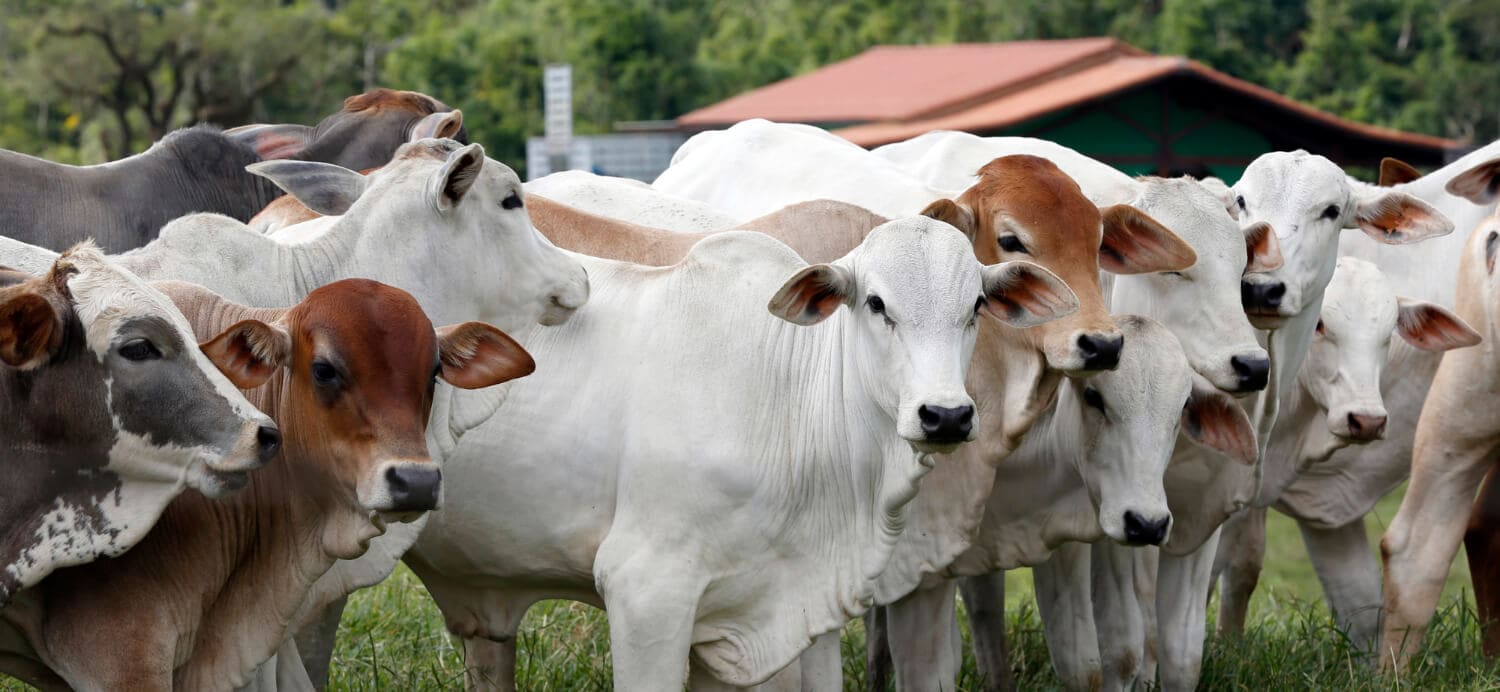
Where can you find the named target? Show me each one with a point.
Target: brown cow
(210, 591)
(363, 134)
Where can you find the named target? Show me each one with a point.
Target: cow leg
(1146, 562)
(921, 635)
(823, 665)
(1182, 610)
(652, 602)
(877, 650)
(490, 664)
(1063, 599)
(1482, 543)
(316, 643)
(1350, 576)
(984, 601)
(1242, 552)
(1118, 615)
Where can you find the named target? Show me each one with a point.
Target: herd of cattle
(791, 382)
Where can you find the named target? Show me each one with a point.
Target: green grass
(392, 638)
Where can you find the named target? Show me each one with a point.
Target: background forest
(91, 80)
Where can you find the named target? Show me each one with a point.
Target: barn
(1142, 113)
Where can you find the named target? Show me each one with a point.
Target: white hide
(630, 200)
(948, 160)
(757, 167)
(744, 518)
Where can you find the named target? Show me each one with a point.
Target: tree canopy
(87, 81)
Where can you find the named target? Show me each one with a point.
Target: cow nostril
(1261, 296)
(413, 488)
(942, 424)
(1366, 427)
(929, 417)
(268, 440)
(1100, 353)
(1252, 373)
(1274, 293)
(1141, 531)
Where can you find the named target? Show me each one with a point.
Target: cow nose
(1100, 353)
(1251, 373)
(942, 424)
(1262, 297)
(1140, 531)
(1362, 427)
(268, 439)
(413, 488)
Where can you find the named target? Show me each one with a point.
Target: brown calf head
(363, 134)
(1025, 208)
(362, 362)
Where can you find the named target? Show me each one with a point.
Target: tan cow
(209, 593)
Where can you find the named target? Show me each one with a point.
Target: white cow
(742, 518)
(630, 200)
(789, 164)
(946, 160)
(1336, 402)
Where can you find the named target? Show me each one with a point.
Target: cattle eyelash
(1332, 212)
(511, 202)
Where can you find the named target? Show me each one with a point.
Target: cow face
(109, 408)
(437, 194)
(1130, 418)
(1307, 201)
(1344, 361)
(362, 362)
(363, 134)
(915, 295)
(1201, 303)
(1025, 208)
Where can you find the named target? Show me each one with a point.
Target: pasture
(392, 637)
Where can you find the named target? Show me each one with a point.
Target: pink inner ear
(277, 145)
(1431, 329)
(1215, 425)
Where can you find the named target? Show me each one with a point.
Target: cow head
(109, 409)
(1024, 208)
(436, 195)
(1201, 303)
(1344, 361)
(1307, 201)
(362, 361)
(363, 134)
(915, 295)
(1130, 418)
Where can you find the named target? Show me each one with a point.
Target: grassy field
(393, 638)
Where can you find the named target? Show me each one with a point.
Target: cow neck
(1012, 387)
(1301, 439)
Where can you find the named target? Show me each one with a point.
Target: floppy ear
(954, 214)
(1214, 420)
(1135, 243)
(1262, 248)
(1394, 171)
(475, 355)
(273, 141)
(322, 187)
(438, 126)
(1480, 184)
(1432, 327)
(249, 352)
(457, 176)
(1022, 294)
(812, 294)
(1396, 218)
(1224, 193)
(31, 329)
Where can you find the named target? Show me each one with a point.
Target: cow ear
(812, 294)
(322, 187)
(30, 328)
(475, 355)
(1215, 420)
(1480, 184)
(1394, 171)
(249, 352)
(438, 126)
(1396, 218)
(1022, 294)
(1432, 327)
(1224, 194)
(1135, 243)
(457, 176)
(272, 142)
(954, 214)
(1262, 248)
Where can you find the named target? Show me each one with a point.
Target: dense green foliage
(87, 80)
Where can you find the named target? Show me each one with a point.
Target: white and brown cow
(210, 593)
(109, 410)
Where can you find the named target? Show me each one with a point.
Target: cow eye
(1332, 212)
(1092, 397)
(876, 305)
(1240, 200)
(1320, 327)
(979, 305)
(1176, 274)
(324, 374)
(511, 202)
(1010, 243)
(139, 350)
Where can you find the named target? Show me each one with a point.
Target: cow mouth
(223, 483)
(1266, 319)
